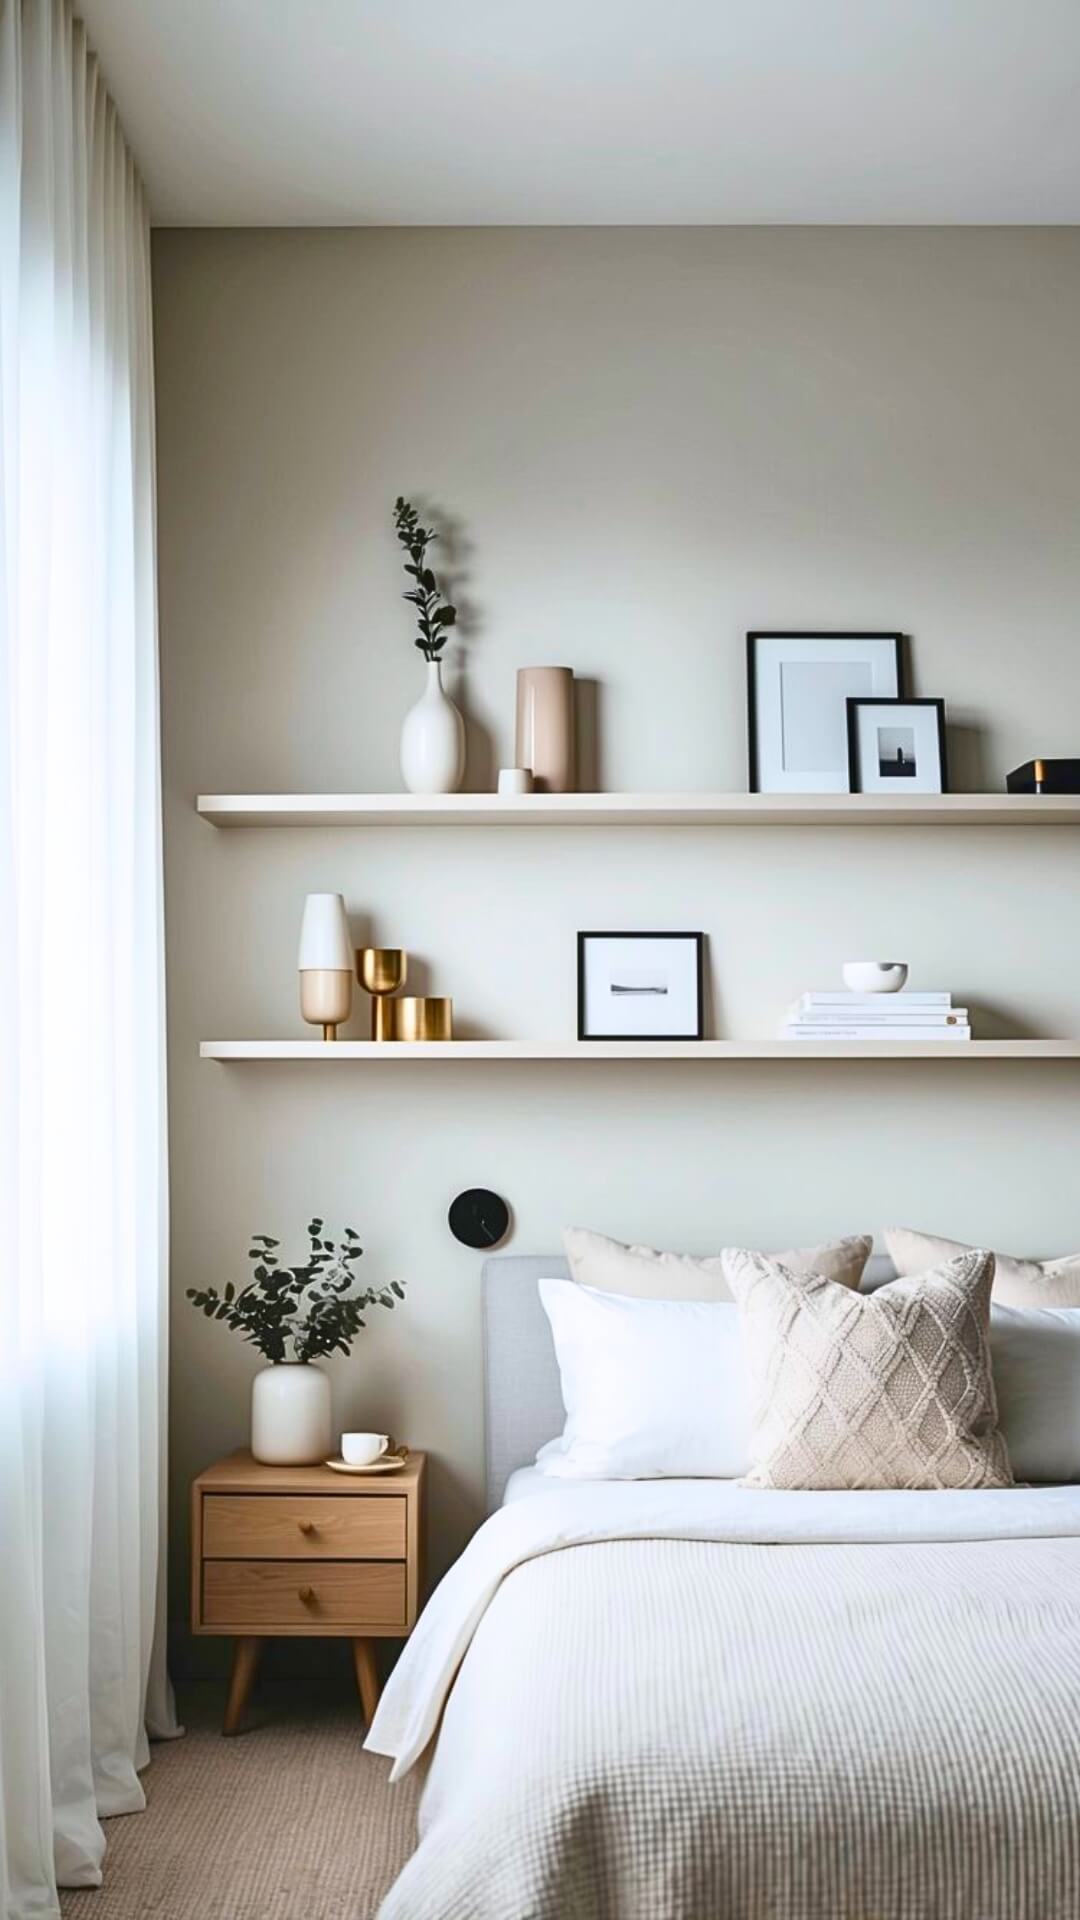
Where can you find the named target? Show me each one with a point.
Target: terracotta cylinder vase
(545, 727)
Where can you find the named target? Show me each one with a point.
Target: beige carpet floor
(289, 1821)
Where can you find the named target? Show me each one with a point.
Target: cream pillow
(886, 1389)
(640, 1273)
(1017, 1282)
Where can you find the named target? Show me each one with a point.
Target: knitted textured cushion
(886, 1389)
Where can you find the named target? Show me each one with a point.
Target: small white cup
(363, 1449)
(515, 780)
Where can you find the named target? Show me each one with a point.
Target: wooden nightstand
(304, 1550)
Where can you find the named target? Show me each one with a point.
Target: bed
(686, 1700)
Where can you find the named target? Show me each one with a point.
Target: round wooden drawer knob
(306, 1526)
(307, 1595)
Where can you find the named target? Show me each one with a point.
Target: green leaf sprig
(310, 1307)
(434, 616)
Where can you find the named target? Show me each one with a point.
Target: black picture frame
(869, 700)
(795, 633)
(633, 933)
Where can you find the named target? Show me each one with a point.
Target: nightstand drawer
(316, 1526)
(272, 1596)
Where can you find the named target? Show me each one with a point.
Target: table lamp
(325, 963)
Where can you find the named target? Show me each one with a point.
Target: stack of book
(876, 1016)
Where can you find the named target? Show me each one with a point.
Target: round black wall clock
(478, 1218)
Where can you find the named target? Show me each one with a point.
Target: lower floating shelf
(399, 1053)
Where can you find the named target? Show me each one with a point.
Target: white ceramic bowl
(874, 976)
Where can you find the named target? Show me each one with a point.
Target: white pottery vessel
(433, 740)
(874, 976)
(290, 1414)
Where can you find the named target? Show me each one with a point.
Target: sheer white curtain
(82, 1172)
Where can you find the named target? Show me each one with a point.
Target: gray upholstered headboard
(522, 1400)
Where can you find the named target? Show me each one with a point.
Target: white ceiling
(582, 112)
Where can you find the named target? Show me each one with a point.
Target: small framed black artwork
(897, 746)
(640, 986)
(797, 687)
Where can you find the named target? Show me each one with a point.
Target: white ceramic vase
(290, 1414)
(433, 740)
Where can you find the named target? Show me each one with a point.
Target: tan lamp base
(325, 998)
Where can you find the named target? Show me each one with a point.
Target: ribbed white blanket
(687, 1701)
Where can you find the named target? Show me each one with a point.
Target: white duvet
(674, 1700)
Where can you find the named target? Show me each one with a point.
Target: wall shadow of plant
(453, 565)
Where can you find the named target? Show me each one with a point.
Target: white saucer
(389, 1463)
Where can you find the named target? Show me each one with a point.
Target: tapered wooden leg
(367, 1676)
(245, 1663)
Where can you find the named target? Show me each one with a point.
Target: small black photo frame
(640, 986)
(897, 746)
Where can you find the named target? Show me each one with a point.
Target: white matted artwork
(798, 686)
(640, 986)
(897, 746)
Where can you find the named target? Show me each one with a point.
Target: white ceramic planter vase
(433, 740)
(290, 1414)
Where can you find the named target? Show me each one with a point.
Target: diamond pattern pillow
(886, 1389)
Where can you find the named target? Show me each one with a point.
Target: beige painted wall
(648, 441)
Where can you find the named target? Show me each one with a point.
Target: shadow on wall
(587, 705)
(711, 1000)
(453, 567)
(996, 1020)
(970, 770)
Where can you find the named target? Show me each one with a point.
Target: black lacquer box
(1045, 776)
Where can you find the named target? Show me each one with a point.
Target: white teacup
(363, 1449)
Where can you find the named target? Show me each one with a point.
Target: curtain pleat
(83, 1199)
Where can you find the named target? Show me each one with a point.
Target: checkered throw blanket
(653, 1721)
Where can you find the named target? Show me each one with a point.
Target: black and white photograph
(896, 753)
(640, 986)
(798, 685)
(897, 746)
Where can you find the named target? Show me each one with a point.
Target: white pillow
(652, 1388)
(1036, 1355)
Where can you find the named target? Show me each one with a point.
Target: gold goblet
(381, 971)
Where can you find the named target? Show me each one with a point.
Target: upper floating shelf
(394, 1054)
(638, 809)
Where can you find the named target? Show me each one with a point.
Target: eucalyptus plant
(435, 616)
(310, 1307)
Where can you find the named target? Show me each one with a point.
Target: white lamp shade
(325, 940)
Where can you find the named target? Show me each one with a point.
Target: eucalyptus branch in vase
(433, 735)
(294, 1315)
(435, 616)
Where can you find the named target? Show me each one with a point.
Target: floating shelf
(450, 1051)
(638, 809)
